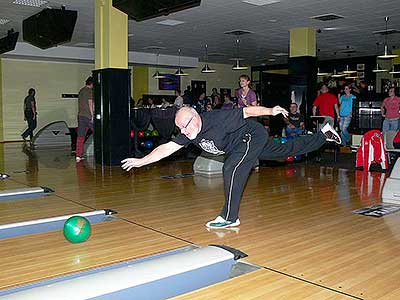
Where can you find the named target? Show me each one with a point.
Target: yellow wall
(50, 79)
(140, 81)
(224, 77)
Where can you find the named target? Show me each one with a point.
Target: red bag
(371, 155)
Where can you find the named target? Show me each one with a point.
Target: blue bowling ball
(297, 157)
(148, 144)
(284, 140)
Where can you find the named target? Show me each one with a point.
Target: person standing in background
(245, 95)
(85, 116)
(30, 114)
(390, 110)
(345, 112)
(178, 100)
(328, 105)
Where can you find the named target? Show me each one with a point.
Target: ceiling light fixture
(206, 68)
(378, 69)
(157, 74)
(386, 53)
(336, 75)
(4, 21)
(393, 71)
(33, 3)
(348, 71)
(237, 60)
(180, 71)
(322, 73)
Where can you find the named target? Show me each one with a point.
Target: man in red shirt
(327, 104)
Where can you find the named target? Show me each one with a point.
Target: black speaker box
(140, 10)
(8, 43)
(50, 27)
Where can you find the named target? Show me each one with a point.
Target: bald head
(188, 121)
(183, 113)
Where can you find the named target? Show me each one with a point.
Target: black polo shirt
(221, 130)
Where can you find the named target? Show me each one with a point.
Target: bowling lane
(41, 256)
(37, 208)
(264, 284)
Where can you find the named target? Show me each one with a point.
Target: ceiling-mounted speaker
(140, 10)
(50, 27)
(8, 43)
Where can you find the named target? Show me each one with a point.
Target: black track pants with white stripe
(257, 145)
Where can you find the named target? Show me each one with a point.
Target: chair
(388, 138)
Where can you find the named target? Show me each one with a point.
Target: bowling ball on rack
(290, 159)
(140, 134)
(77, 229)
(155, 133)
(148, 133)
(148, 144)
(277, 139)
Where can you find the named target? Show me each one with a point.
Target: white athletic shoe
(331, 134)
(78, 159)
(220, 222)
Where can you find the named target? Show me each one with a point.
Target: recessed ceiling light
(330, 28)
(34, 3)
(170, 22)
(130, 35)
(386, 31)
(216, 54)
(327, 17)
(4, 21)
(261, 2)
(271, 59)
(154, 48)
(273, 20)
(238, 32)
(280, 54)
(84, 44)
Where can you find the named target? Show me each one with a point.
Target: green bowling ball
(277, 139)
(155, 133)
(147, 133)
(77, 229)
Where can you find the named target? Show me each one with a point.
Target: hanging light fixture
(237, 60)
(206, 68)
(386, 53)
(393, 71)
(348, 71)
(336, 74)
(180, 71)
(378, 69)
(322, 73)
(319, 73)
(157, 74)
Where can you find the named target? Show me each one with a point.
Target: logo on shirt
(210, 147)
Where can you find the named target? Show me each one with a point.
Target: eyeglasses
(187, 124)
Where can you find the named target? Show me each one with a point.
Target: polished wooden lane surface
(295, 219)
(37, 208)
(39, 256)
(263, 284)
